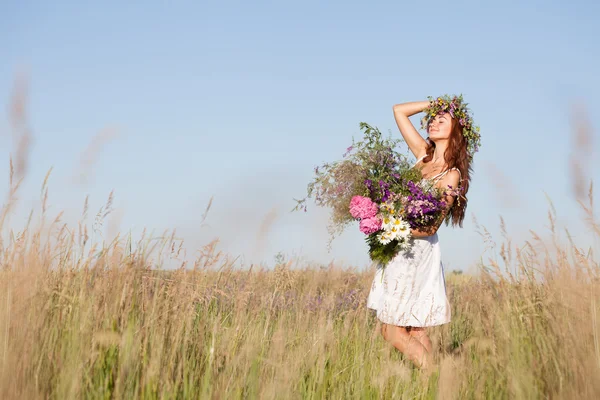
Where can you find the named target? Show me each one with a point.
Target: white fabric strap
(442, 173)
(445, 172)
(420, 159)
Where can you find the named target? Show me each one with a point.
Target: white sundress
(411, 289)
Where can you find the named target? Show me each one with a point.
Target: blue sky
(240, 100)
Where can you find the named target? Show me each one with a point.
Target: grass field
(84, 320)
(81, 322)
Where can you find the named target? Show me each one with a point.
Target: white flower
(396, 227)
(387, 223)
(402, 227)
(389, 207)
(403, 244)
(393, 232)
(385, 238)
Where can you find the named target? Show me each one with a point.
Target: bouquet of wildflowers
(376, 185)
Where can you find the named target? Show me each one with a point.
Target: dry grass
(102, 324)
(78, 320)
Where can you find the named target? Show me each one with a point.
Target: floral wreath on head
(457, 108)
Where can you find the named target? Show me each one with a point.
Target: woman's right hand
(415, 141)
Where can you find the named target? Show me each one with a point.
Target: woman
(409, 294)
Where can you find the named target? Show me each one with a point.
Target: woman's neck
(439, 150)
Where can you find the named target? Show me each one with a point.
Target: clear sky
(241, 100)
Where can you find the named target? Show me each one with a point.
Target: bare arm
(451, 178)
(415, 141)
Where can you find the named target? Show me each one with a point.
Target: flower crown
(457, 109)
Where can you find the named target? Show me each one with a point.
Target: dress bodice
(433, 180)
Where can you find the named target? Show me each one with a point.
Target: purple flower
(421, 207)
(386, 195)
(348, 150)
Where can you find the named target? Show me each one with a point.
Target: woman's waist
(430, 238)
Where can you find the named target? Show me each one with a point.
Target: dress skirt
(411, 290)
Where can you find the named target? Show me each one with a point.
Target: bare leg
(421, 335)
(399, 337)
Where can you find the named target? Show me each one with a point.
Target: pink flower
(370, 225)
(362, 207)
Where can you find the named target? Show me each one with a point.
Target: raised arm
(415, 141)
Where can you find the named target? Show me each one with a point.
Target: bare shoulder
(452, 178)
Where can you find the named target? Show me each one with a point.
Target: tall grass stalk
(103, 323)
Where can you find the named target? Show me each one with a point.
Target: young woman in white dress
(409, 294)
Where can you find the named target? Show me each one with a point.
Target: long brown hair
(456, 156)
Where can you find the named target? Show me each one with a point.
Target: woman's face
(440, 127)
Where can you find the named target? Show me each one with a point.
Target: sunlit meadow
(85, 319)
